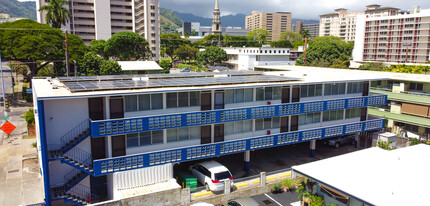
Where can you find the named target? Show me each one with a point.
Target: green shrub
(414, 141)
(276, 188)
(288, 183)
(34, 144)
(316, 200)
(29, 117)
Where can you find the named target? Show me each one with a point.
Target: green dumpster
(186, 180)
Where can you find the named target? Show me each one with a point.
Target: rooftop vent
(54, 86)
(221, 75)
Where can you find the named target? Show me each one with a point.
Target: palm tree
(305, 34)
(56, 13)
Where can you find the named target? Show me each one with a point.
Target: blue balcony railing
(107, 166)
(149, 123)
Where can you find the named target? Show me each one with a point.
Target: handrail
(84, 193)
(80, 156)
(401, 92)
(72, 174)
(75, 132)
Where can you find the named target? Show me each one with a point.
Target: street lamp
(407, 50)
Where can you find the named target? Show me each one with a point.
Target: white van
(212, 175)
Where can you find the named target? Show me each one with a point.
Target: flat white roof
(139, 65)
(376, 176)
(330, 73)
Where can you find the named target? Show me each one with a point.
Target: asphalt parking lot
(273, 159)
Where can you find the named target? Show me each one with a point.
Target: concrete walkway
(20, 179)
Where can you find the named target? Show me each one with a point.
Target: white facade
(402, 38)
(246, 58)
(340, 24)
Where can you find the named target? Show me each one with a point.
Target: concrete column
(227, 187)
(247, 158)
(357, 140)
(312, 151)
(108, 146)
(262, 178)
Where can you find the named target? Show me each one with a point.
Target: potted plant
(276, 188)
(288, 185)
(29, 118)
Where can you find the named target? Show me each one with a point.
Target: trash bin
(187, 180)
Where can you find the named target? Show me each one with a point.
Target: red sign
(8, 127)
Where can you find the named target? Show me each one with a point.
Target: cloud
(303, 9)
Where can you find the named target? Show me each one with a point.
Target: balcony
(151, 123)
(404, 118)
(406, 96)
(125, 163)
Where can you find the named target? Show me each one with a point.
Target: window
(144, 138)
(183, 134)
(352, 113)
(239, 95)
(183, 99)
(332, 115)
(152, 7)
(415, 87)
(355, 87)
(334, 89)
(152, 14)
(311, 90)
(310, 118)
(237, 127)
(143, 102)
(266, 123)
(268, 93)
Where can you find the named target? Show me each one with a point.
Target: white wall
(357, 53)
(62, 115)
(102, 19)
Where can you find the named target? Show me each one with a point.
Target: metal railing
(79, 156)
(402, 92)
(74, 176)
(74, 133)
(83, 192)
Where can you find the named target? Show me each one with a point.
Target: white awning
(139, 65)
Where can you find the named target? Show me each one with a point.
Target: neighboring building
(368, 177)
(246, 58)
(202, 31)
(235, 31)
(98, 136)
(314, 29)
(340, 24)
(376, 10)
(96, 19)
(7, 18)
(216, 22)
(298, 27)
(402, 38)
(275, 23)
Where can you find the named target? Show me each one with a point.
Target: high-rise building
(99, 19)
(340, 24)
(216, 22)
(314, 29)
(399, 38)
(275, 23)
(298, 27)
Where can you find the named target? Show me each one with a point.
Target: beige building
(340, 24)
(275, 23)
(400, 38)
(97, 19)
(314, 29)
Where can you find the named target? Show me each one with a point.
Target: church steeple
(216, 22)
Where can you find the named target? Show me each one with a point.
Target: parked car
(186, 70)
(342, 140)
(245, 201)
(212, 175)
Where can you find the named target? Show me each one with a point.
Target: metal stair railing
(81, 194)
(75, 135)
(80, 158)
(73, 178)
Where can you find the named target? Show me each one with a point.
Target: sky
(302, 9)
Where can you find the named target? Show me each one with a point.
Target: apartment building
(275, 23)
(408, 105)
(246, 59)
(400, 38)
(98, 19)
(340, 24)
(98, 136)
(314, 29)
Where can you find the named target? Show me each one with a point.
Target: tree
(372, 66)
(127, 46)
(186, 52)
(93, 65)
(210, 40)
(239, 41)
(333, 50)
(306, 35)
(211, 55)
(166, 64)
(281, 44)
(18, 67)
(98, 47)
(56, 13)
(32, 43)
(296, 44)
(171, 42)
(259, 35)
(291, 36)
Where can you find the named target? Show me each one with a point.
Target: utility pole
(67, 57)
(306, 45)
(4, 95)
